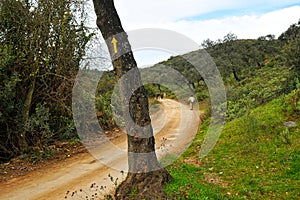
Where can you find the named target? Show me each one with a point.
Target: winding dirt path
(174, 127)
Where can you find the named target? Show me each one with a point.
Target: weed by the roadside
(94, 192)
(36, 155)
(133, 193)
(113, 180)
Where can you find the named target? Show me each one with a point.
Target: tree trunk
(146, 176)
(27, 105)
(235, 75)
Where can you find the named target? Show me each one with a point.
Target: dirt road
(174, 127)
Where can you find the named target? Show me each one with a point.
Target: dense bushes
(267, 84)
(42, 44)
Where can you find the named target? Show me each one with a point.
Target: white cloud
(248, 19)
(145, 11)
(134, 11)
(246, 26)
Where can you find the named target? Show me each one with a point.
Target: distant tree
(291, 33)
(268, 37)
(230, 49)
(229, 37)
(292, 54)
(291, 37)
(207, 43)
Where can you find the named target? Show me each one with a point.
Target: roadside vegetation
(42, 45)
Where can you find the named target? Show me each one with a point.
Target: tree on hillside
(208, 43)
(237, 58)
(146, 175)
(228, 43)
(267, 37)
(292, 48)
(291, 33)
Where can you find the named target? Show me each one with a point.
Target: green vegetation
(103, 101)
(42, 45)
(256, 157)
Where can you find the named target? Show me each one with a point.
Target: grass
(189, 183)
(256, 157)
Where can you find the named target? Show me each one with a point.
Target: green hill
(256, 157)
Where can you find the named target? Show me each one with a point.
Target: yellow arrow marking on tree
(114, 42)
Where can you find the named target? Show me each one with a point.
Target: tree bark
(26, 113)
(146, 175)
(235, 75)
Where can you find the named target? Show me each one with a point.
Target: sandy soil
(84, 175)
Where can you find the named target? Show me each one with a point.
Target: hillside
(257, 154)
(256, 157)
(254, 72)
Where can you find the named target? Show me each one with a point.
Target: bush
(38, 127)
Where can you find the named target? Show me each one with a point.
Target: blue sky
(202, 19)
(251, 9)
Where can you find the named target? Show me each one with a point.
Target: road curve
(174, 126)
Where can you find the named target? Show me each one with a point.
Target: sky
(203, 19)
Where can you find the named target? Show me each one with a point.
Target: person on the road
(191, 101)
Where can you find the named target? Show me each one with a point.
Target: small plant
(113, 180)
(134, 192)
(39, 128)
(163, 146)
(109, 197)
(94, 192)
(284, 136)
